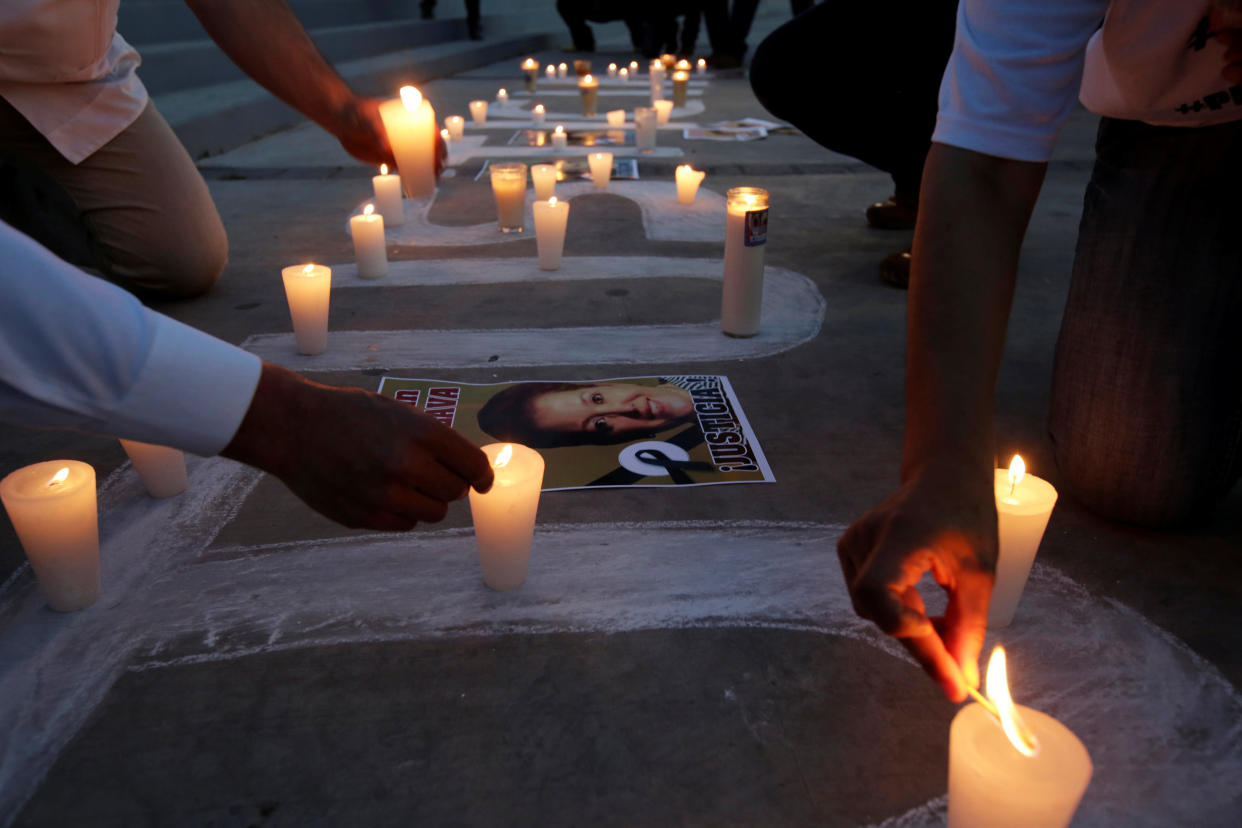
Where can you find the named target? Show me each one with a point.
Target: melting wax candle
(688, 181)
(308, 288)
(370, 254)
(410, 123)
(504, 517)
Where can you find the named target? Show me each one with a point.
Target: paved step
(213, 119)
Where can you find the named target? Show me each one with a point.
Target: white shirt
(77, 352)
(1017, 66)
(67, 71)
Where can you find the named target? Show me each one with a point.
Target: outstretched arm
(267, 41)
(972, 217)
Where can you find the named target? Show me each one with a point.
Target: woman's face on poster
(612, 408)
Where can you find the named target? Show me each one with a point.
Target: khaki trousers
(153, 225)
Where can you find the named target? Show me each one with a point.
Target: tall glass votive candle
(588, 87)
(746, 235)
(509, 187)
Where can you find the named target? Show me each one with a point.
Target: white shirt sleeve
(77, 352)
(1014, 74)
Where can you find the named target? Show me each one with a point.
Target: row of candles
(665, 63)
(1003, 758)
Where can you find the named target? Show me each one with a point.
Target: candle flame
(702, 63)
(1017, 470)
(411, 97)
(587, 80)
(502, 459)
(560, 130)
(562, 66)
(683, 64)
(552, 200)
(502, 92)
(1019, 734)
(383, 169)
(612, 67)
(58, 478)
(309, 270)
(623, 72)
(633, 66)
(444, 133)
(685, 167)
(530, 63)
(368, 210)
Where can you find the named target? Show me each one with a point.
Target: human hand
(360, 129)
(938, 522)
(402, 467)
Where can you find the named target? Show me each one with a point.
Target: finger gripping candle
(504, 517)
(746, 235)
(53, 508)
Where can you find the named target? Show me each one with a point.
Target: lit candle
(551, 219)
(701, 66)
(538, 114)
(544, 178)
(612, 70)
(530, 68)
(688, 181)
(562, 70)
(582, 67)
(456, 126)
(411, 126)
(307, 288)
(504, 518)
(1023, 505)
(680, 81)
(388, 197)
(160, 468)
(616, 117)
(667, 60)
(588, 86)
(601, 168)
(509, 187)
(559, 138)
(478, 112)
(664, 110)
(645, 118)
(52, 507)
(550, 71)
(746, 232)
(1026, 770)
(367, 231)
(502, 96)
(623, 73)
(656, 80)
(633, 67)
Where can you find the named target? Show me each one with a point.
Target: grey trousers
(144, 204)
(1146, 412)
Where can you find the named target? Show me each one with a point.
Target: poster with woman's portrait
(629, 431)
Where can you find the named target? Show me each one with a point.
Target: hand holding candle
(411, 126)
(504, 517)
(53, 508)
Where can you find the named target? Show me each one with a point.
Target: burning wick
(58, 478)
(1017, 470)
(502, 459)
(411, 97)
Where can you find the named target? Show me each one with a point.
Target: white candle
(688, 181)
(623, 73)
(456, 126)
(445, 137)
(509, 187)
(601, 168)
(161, 468)
(588, 87)
(370, 254)
(550, 71)
(645, 118)
(612, 70)
(411, 126)
(544, 178)
(562, 70)
(664, 109)
(746, 228)
(52, 507)
(551, 219)
(1023, 505)
(504, 518)
(502, 96)
(683, 65)
(388, 197)
(616, 117)
(478, 112)
(701, 66)
(681, 80)
(530, 68)
(559, 138)
(667, 60)
(307, 288)
(657, 85)
(633, 67)
(992, 779)
(538, 114)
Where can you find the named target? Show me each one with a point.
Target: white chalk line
(513, 112)
(792, 314)
(473, 148)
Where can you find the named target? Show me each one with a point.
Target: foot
(895, 269)
(897, 212)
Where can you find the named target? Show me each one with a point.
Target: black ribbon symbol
(676, 468)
